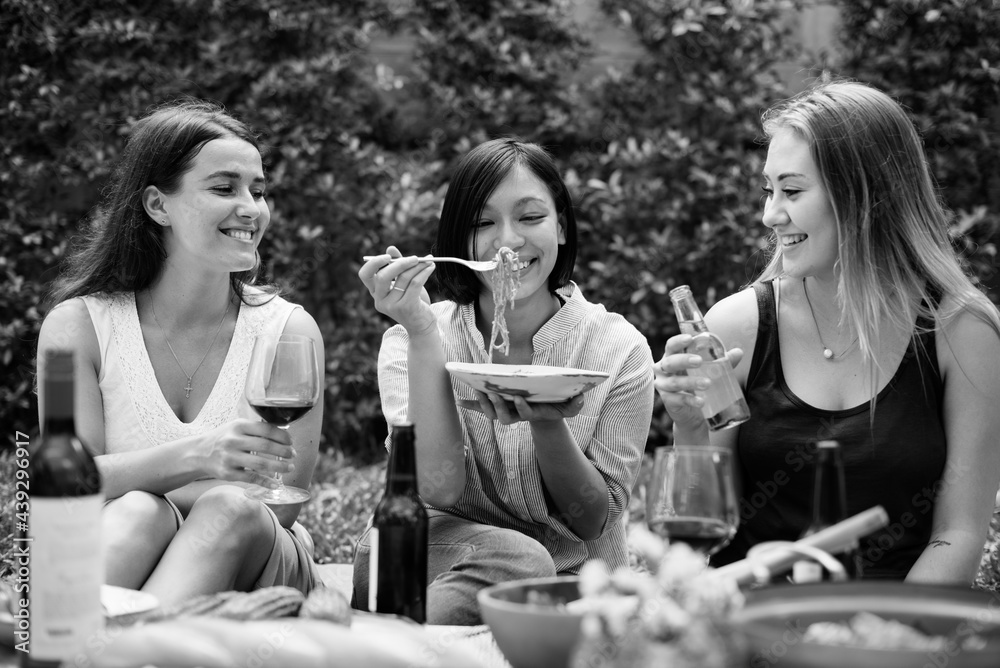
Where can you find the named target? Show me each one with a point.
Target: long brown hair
(121, 248)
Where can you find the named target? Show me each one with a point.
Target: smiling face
(218, 215)
(798, 208)
(521, 215)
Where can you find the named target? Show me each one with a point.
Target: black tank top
(897, 462)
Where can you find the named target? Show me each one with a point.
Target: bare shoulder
(734, 319)
(68, 326)
(969, 343)
(301, 322)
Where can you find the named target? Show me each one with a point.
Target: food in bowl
(777, 618)
(873, 632)
(545, 600)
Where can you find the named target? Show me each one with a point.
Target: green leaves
(662, 157)
(940, 60)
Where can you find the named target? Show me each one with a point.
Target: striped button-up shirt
(504, 486)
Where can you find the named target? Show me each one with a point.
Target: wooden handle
(833, 539)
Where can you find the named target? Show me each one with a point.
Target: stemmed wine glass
(692, 497)
(282, 386)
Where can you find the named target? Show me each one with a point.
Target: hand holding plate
(518, 409)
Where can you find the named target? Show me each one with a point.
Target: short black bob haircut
(478, 174)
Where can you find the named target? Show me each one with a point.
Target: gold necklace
(827, 352)
(188, 388)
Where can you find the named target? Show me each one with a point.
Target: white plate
(117, 602)
(539, 384)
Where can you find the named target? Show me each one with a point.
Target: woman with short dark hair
(515, 488)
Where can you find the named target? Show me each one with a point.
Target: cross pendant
(187, 389)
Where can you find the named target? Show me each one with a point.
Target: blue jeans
(462, 558)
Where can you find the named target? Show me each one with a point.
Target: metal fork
(475, 265)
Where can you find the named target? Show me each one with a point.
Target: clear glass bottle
(63, 533)
(397, 582)
(724, 404)
(829, 508)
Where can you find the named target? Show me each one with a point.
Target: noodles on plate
(506, 280)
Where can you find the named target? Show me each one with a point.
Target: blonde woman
(863, 328)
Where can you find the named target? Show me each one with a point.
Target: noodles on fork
(506, 281)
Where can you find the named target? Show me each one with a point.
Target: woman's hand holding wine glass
(247, 450)
(692, 497)
(282, 386)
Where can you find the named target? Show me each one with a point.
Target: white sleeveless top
(136, 414)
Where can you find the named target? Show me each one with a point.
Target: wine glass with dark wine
(692, 497)
(282, 386)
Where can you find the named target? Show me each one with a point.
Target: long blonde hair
(895, 256)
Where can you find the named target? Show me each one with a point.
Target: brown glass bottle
(829, 507)
(398, 567)
(63, 533)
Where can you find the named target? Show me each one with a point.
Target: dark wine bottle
(398, 566)
(724, 405)
(829, 507)
(62, 535)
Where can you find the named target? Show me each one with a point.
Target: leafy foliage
(942, 61)
(344, 497)
(662, 159)
(77, 75)
(671, 184)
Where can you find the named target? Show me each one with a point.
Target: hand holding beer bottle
(710, 384)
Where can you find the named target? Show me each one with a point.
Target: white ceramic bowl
(533, 635)
(539, 384)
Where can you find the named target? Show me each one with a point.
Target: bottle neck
(53, 426)
(686, 309)
(57, 413)
(401, 477)
(829, 502)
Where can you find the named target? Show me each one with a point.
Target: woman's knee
(227, 519)
(138, 513)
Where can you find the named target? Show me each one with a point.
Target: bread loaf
(327, 603)
(266, 603)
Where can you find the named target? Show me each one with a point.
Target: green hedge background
(663, 158)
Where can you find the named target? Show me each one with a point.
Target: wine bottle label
(373, 571)
(67, 569)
